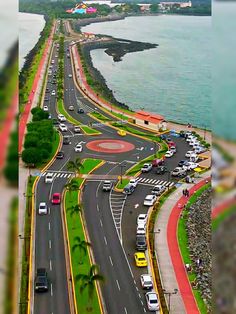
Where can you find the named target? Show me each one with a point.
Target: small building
(150, 120)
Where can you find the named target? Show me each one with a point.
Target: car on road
(157, 162)
(66, 140)
(129, 189)
(152, 301)
(134, 182)
(169, 154)
(70, 75)
(140, 259)
(80, 110)
(77, 129)
(189, 153)
(173, 149)
(61, 117)
(190, 138)
(53, 93)
(168, 140)
(150, 200)
(49, 177)
(194, 143)
(45, 108)
(63, 127)
(158, 189)
(43, 209)
(161, 170)
(182, 162)
(60, 155)
(78, 148)
(171, 143)
(41, 280)
(190, 165)
(71, 108)
(146, 167)
(121, 132)
(141, 229)
(142, 219)
(179, 172)
(107, 185)
(56, 198)
(146, 281)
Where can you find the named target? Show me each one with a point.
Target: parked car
(169, 154)
(77, 129)
(45, 108)
(161, 169)
(200, 149)
(189, 153)
(141, 243)
(140, 259)
(141, 229)
(150, 200)
(152, 301)
(56, 198)
(190, 138)
(107, 185)
(43, 209)
(146, 281)
(41, 280)
(142, 219)
(134, 182)
(80, 110)
(171, 143)
(129, 189)
(60, 155)
(157, 162)
(61, 117)
(53, 93)
(173, 149)
(190, 165)
(78, 148)
(179, 172)
(49, 177)
(63, 127)
(158, 189)
(168, 140)
(71, 108)
(182, 163)
(146, 167)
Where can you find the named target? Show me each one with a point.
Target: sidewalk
(167, 271)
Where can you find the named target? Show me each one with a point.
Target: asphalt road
(121, 291)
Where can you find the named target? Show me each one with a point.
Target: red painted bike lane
(177, 261)
(27, 108)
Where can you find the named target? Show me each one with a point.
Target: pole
(169, 302)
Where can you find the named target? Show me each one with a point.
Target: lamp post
(155, 148)
(121, 172)
(169, 294)
(25, 246)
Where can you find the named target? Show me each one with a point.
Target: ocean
(174, 79)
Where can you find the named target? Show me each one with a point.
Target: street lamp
(25, 246)
(169, 294)
(155, 148)
(121, 172)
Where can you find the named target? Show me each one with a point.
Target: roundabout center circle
(110, 146)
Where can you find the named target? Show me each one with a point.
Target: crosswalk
(59, 174)
(152, 182)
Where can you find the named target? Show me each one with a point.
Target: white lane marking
(168, 183)
(101, 223)
(51, 290)
(136, 205)
(49, 226)
(135, 282)
(43, 174)
(105, 239)
(141, 302)
(50, 265)
(144, 310)
(58, 175)
(49, 210)
(172, 183)
(97, 208)
(118, 285)
(125, 310)
(110, 260)
(152, 181)
(50, 244)
(136, 288)
(149, 180)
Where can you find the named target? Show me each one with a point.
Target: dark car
(168, 140)
(41, 280)
(55, 121)
(54, 82)
(129, 189)
(60, 155)
(182, 163)
(161, 169)
(46, 99)
(163, 137)
(66, 140)
(80, 110)
(47, 89)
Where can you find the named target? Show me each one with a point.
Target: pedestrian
(187, 193)
(183, 192)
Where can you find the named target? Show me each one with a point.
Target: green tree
(81, 246)
(87, 281)
(72, 186)
(31, 156)
(75, 166)
(74, 211)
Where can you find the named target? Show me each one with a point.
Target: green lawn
(99, 116)
(89, 164)
(183, 245)
(222, 216)
(89, 131)
(62, 110)
(120, 116)
(123, 184)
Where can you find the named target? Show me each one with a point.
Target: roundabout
(110, 146)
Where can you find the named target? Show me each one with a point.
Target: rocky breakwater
(198, 226)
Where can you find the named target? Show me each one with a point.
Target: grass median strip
(99, 116)
(89, 131)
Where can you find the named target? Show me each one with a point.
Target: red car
(171, 144)
(56, 198)
(158, 162)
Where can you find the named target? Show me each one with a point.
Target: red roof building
(149, 119)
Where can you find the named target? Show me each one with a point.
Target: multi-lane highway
(121, 292)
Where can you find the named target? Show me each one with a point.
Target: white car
(45, 108)
(49, 177)
(61, 117)
(150, 200)
(53, 93)
(190, 165)
(199, 149)
(134, 182)
(71, 108)
(152, 301)
(70, 75)
(191, 138)
(142, 219)
(63, 127)
(43, 209)
(146, 168)
(146, 281)
(189, 153)
(141, 229)
(169, 153)
(78, 148)
(192, 143)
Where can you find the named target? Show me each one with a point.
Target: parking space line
(51, 290)
(101, 223)
(125, 310)
(117, 282)
(50, 244)
(50, 265)
(110, 260)
(49, 226)
(105, 239)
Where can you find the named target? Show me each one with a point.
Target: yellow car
(121, 132)
(140, 259)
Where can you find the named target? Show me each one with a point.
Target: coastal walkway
(172, 268)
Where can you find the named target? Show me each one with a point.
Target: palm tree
(75, 210)
(75, 166)
(72, 186)
(87, 281)
(81, 245)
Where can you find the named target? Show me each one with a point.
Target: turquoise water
(173, 79)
